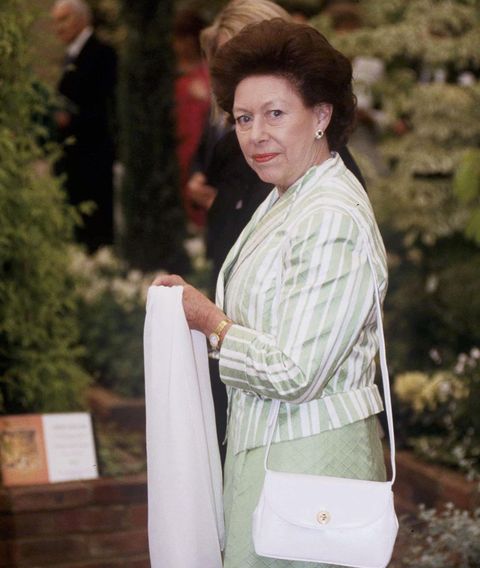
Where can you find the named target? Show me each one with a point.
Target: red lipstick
(262, 158)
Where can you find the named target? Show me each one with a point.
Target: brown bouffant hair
(300, 54)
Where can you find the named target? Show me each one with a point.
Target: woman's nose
(259, 131)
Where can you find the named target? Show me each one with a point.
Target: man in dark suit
(84, 119)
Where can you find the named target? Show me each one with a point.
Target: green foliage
(441, 539)
(155, 223)
(440, 413)
(466, 186)
(444, 120)
(106, 15)
(306, 8)
(454, 293)
(120, 452)
(432, 302)
(437, 32)
(108, 21)
(427, 204)
(111, 314)
(429, 212)
(39, 368)
(111, 307)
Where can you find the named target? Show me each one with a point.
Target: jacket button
(323, 517)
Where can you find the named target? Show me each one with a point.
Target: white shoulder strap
(275, 408)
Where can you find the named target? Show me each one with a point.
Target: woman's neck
(322, 157)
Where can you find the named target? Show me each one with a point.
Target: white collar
(76, 46)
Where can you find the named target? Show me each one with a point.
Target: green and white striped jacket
(299, 288)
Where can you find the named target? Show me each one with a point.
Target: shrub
(439, 413)
(111, 305)
(154, 219)
(39, 368)
(428, 201)
(442, 539)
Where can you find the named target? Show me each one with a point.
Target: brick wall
(432, 485)
(103, 523)
(94, 524)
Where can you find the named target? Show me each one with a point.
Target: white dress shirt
(76, 46)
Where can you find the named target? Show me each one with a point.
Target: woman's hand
(201, 313)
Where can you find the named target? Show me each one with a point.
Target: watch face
(213, 340)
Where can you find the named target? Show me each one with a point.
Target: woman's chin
(266, 176)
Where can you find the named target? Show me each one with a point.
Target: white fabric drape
(185, 512)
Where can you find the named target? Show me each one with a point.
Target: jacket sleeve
(325, 299)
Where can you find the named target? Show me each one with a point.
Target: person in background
(85, 118)
(192, 101)
(295, 319)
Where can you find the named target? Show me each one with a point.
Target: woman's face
(276, 131)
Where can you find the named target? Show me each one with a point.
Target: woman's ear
(323, 113)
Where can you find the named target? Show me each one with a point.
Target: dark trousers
(89, 177)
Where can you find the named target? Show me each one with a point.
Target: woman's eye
(242, 120)
(276, 113)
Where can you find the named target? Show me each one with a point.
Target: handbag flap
(318, 502)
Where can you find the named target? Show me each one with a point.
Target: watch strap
(214, 337)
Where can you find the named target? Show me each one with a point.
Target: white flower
(105, 258)
(135, 276)
(475, 353)
(195, 247)
(435, 356)
(80, 263)
(94, 290)
(431, 284)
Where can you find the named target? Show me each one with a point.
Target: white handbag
(335, 520)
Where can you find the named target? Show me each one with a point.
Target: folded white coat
(185, 512)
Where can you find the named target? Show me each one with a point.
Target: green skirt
(353, 451)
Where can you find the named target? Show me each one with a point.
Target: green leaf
(472, 229)
(466, 183)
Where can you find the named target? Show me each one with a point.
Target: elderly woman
(295, 317)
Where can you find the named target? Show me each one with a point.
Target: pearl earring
(318, 134)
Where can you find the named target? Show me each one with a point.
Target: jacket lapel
(272, 218)
(267, 219)
(270, 215)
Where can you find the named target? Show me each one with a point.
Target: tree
(155, 222)
(432, 59)
(39, 368)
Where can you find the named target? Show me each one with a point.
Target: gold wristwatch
(214, 337)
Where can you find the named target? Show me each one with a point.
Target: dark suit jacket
(87, 88)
